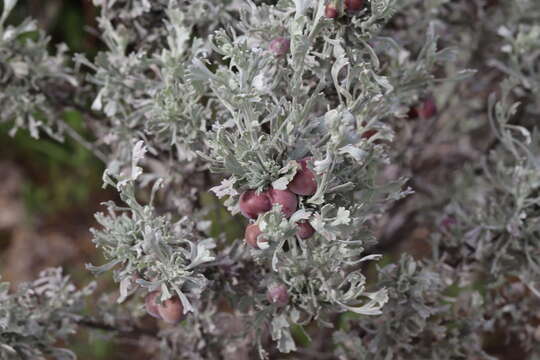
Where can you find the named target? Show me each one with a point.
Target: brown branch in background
(45, 12)
(127, 332)
(89, 11)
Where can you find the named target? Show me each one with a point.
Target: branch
(56, 94)
(85, 143)
(127, 332)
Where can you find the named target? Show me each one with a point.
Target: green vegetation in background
(58, 175)
(300, 336)
(91, 345)
(69, 26)
(222, 221)
(62, 175)
(94, 350)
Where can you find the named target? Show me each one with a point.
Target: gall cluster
(350, 6)
(253, 204)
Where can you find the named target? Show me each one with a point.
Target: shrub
(293, 113)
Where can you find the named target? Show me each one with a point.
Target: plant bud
(253, 204)
(151, 305)
(354, 5)
(277, 294)
(330, 11)
(251, 234)
(303, 182)
(171, 310)
(280, 46)
(305, 230)
(286, 199)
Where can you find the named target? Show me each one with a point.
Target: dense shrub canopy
(338, 129)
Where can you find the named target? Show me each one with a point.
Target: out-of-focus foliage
(189, 97)
(37, 314)
(33, 81)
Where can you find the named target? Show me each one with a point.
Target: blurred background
(51, 190)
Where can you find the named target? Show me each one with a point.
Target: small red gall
(303, 182)
(354, 5)
(251, 234)
(305, 230)
(171, 310)
(278, 295)
(151, 305)
(286, 199)
(330, 11)
(280, 46)
(427, 109)
(448, 222)
(253, 204)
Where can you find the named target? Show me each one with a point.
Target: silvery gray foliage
(38, 314)
(499, 222)
(283, 117)
(26, 70)
(148, 249)
(415, 319)
(484, 241)
(140, 80)
(199, 83)
(212, 335)
(521, 44)
(141, 21)
(492, 236)
(276, 116)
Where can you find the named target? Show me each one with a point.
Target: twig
(77, 137)
(68, 129)
(129, 332)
